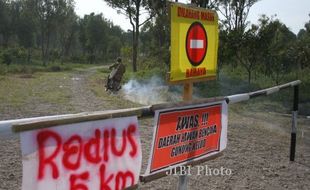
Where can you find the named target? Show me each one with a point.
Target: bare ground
(257, 152)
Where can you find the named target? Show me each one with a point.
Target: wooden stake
(188, 91)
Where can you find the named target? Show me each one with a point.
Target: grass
(19, 85)
(48, 88)
(38, 67)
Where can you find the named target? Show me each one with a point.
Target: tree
(235, 13)
(210, 4)
(49, 14)
(248, 53)
(281, 62)
(133, 9)
(93, 35)
(226, 54)
(155, 34)
(26, 29)
(302, 47)
(45, 11)
(276, 47)
(67, 27)
(5, 22)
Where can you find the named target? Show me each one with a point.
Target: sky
(293, 13)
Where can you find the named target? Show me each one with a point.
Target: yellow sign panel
(194, 42)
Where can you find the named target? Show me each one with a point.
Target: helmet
(119, 59)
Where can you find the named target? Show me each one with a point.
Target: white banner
(96, 155)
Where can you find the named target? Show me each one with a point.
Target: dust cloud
(152, 91)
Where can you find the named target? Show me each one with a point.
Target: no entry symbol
(196, 43)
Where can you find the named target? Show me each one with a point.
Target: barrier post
(294, 123)
(183, 179)
(187, 96)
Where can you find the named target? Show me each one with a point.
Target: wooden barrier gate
(147, 112)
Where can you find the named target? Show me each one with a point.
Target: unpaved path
(88, 94)
(83, 98)
(257, 152)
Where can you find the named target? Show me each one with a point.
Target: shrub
(55, 68)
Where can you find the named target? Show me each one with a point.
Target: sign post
(187, 96)
(188, 91)
(194, 44)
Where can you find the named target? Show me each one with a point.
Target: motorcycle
(112, 85)
(114, 79)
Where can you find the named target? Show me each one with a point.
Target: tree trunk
(43, 44)
(134, 52)
(43, 51)
(136, 39)
(29, 56)
(6, 38)
(249, 76)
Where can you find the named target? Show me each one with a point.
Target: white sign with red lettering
(96, 155)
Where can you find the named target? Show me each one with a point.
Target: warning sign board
(187, 134)
(194, 42)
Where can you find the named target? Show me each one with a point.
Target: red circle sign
(196, 43)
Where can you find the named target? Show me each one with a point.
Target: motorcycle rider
(116, 75)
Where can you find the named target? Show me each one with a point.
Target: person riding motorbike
(116, 75)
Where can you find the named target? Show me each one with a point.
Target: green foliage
(144, 74)
(126, 52)
(235, 13)
(149, 67)
(277, 41)
(6, 58)
(155, 36)
(265, 54)
(133, 10)
(235, 81)
(100, 39)
(38, 67)
(50, 31)
(301, 50)
(269, 48)
(14, 55)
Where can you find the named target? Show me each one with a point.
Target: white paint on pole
(272, 90)
(238, 98)
(196, 44)
(103, 154)
(183, 180)
(294, 121)
(295, 83)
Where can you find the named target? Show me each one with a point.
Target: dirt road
(258, 143)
